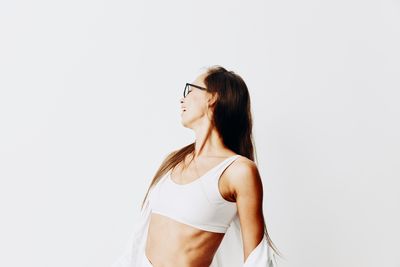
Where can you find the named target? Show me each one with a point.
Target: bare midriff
(174, 244)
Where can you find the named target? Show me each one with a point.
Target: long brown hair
(232, 119)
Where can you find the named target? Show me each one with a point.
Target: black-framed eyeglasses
(188, 90)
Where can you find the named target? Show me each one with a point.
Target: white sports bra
(198, 203)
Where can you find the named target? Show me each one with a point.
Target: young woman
(204, 204)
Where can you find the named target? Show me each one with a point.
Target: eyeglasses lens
(186, 91)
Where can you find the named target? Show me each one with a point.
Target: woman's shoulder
(243, 172)
(243, 163)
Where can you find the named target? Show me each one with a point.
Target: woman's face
(195, 106)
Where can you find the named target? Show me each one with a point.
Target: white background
(89, 107)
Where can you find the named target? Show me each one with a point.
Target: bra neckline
(199, 178)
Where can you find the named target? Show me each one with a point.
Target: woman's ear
(212, 99)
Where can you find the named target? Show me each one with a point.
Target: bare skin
(179, 244)
(174, 244)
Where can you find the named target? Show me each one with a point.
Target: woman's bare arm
(246, 184)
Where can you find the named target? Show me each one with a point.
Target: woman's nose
(181, 100)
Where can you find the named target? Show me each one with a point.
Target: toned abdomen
(174, 244)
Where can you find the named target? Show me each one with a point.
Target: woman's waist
(179, 244)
